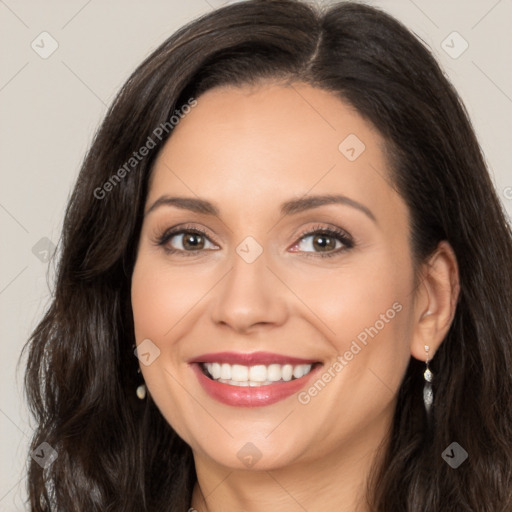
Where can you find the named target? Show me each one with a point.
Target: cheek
(366, 316)
(161, 298)
(366, 319)
(361, 295)
(158, 305)
(149, 308)
(156, 309)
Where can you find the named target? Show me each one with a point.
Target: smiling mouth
(256, 375)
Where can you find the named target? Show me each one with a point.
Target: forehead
(241, 144)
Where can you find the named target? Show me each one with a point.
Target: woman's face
(282, 281)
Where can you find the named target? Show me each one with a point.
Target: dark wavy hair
(117, 453)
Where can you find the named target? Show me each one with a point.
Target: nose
(250, 296)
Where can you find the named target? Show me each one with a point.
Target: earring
(141, 391)
(428, 394)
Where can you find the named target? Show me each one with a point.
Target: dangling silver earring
(141, 391)
(428, 394)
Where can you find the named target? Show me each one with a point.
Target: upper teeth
(237, 374)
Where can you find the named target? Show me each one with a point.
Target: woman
(286, 217)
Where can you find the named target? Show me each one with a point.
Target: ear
(435, 301)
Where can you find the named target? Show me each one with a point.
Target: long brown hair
(116, 453)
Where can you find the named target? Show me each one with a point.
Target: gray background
(50, 108)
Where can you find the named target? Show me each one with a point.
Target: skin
(248, 150)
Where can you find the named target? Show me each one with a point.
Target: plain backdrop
(51, 105)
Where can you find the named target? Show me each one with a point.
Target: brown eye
(192, 241)
(185, 241)
(324, 242)
(320, 242)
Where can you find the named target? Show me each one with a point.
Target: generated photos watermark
(304, 397)
(137, 156)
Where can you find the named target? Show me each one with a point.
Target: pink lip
(250, 359)
(247, 396)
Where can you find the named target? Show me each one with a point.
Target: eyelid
(339, 232)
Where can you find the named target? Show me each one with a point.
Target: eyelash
(340, 235)
(336, 233)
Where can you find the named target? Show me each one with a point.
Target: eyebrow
(290, 207)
